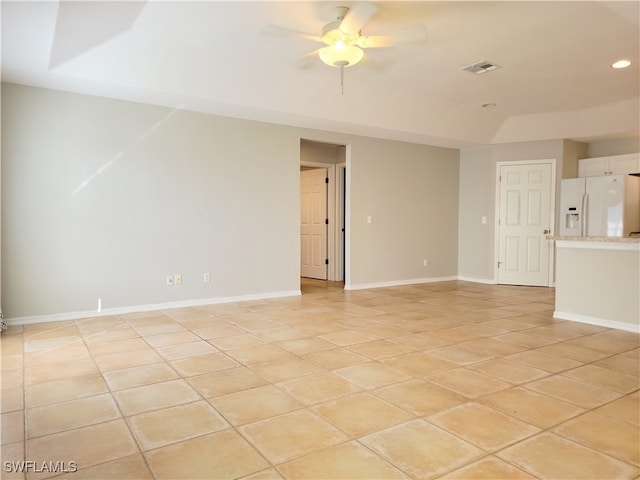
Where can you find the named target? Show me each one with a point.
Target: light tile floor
(446, 380)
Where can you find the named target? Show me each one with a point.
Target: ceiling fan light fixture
(341, 55)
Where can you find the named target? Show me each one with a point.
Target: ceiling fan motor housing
(340, 12)
(331, 34)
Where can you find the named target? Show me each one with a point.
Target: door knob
(546, 231)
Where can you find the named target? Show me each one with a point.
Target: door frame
(552, 215)
(336, 249)
(340, 263)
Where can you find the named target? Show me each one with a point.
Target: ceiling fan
(344, 39)
(345, 43)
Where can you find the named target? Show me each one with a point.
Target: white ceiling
(236, 59)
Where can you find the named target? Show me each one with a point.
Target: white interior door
(525, 219)
(313, 223)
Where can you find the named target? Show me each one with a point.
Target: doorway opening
(323, 213)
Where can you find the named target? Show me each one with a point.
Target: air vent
(481, 67)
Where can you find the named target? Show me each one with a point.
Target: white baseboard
(55, 317)
(396, 283)
(601, 322)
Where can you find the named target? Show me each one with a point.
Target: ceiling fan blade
(376, 64)
(377, 41)
(409, 35)
(277, 30)
(357, 17)
(308, 60)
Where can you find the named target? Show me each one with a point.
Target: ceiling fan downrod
(341, 64)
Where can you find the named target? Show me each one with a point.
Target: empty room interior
(320, 240)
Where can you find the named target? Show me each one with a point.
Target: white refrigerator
(605, 206)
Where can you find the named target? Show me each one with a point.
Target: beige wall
(572, 152)
(316, 152)
(411, 193)
(477, 192)
(476, 252)
(104, 198)
(596, 285)
(604, 148)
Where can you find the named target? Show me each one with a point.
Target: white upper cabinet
(616, 164)
(629, 163)
(591, 167)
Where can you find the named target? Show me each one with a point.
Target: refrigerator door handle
(584, 224)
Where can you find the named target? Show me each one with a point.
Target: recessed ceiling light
(621, 64)
(488, 105)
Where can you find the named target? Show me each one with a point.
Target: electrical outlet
(177, 279)
(206, 278)
(425, 262)
(169, 280)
